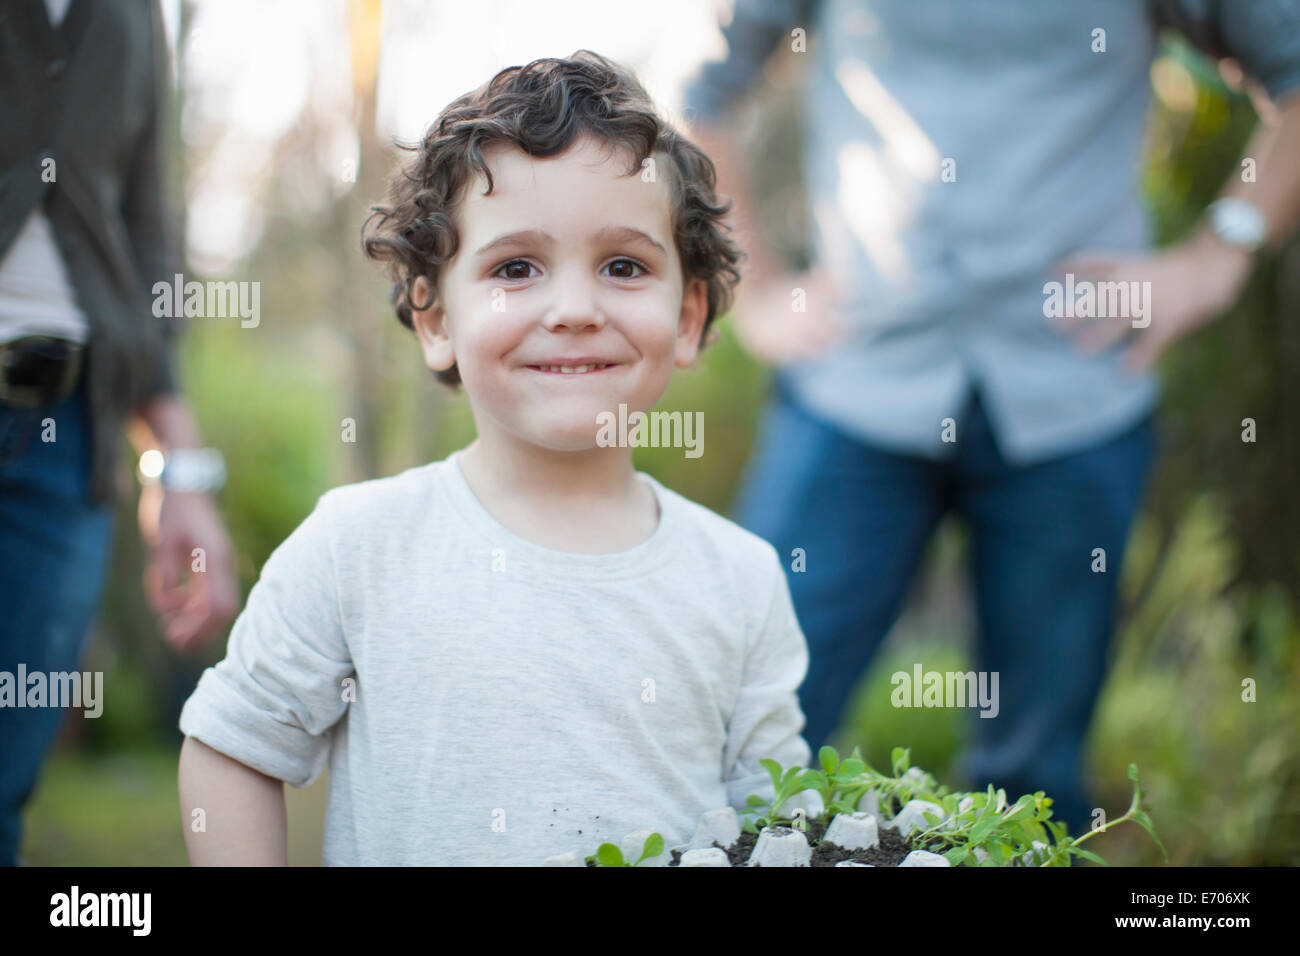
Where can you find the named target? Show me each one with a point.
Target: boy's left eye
(628, 262)
(515, 264)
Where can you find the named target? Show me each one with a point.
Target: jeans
(863, 517)
(54, 548)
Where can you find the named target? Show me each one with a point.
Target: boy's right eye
(514, 264)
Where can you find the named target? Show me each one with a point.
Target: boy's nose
(575, 308)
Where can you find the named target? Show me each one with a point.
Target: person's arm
(1198, 278)
(709, 101)
(721, 142)
(1264, 39)
(756, 29)
(767, 720)
(232, 814)
(264, 714)
(1275, 149)
(772, 322)
(193, 607)
(764, 317)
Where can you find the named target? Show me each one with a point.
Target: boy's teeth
(570, 369)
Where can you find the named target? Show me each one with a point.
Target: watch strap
(193, 469)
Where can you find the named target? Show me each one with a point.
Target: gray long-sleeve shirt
(953, 151)
(481, 700)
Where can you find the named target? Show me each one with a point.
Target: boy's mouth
(573, 368)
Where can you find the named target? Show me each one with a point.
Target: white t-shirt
(36, 294)
(482, 700)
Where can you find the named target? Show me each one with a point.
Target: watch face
(1238, 222)
(194, 470)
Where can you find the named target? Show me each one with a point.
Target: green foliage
(971, 821)
(607, 854)
(1011, 833)
(975, 829)
(1240, 366)
(277, 422)
(727, 386)
(784, 786)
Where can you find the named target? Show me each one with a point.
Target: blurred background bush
(1211, 584)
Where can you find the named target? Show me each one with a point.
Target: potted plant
(863, 817)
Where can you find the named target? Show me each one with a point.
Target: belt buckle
(32, 395)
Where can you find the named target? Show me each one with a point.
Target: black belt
(38, 369)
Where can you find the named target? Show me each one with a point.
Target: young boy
(529, 648)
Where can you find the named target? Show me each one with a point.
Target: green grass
(122, 810)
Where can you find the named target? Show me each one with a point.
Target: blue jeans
(54, 547)
(863, 517)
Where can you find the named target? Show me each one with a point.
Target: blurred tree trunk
(356, 282)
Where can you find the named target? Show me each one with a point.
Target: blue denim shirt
(1040, 133)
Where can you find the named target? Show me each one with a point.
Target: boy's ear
(690, 324)
(430, 326)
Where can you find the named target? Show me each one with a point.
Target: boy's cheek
(494, 336)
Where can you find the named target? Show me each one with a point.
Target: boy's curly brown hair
(542, 108)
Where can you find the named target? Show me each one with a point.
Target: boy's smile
(565, 297)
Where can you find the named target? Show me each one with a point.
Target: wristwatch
(1238, 222)
(188, 469)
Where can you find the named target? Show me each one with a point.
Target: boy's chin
(576, 426)
(570, 439)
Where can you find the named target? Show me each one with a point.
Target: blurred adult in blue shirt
(960, 156)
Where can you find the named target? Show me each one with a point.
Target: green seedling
(838, 781)
(607, 854)
(1006, 833)
(1134, 813)
(841, 784)
(978, 829)
(1003, 832)
(784, 786)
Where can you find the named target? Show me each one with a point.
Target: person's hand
(1190, 284)
(193, 606)
(769, 327)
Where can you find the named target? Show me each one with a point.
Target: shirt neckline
(651, 552)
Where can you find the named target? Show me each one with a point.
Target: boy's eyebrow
(537, 237)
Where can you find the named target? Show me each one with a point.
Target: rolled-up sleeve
(767, 720)
(755, 30)
(271, 702)
(1261, 35)
(1264, 37)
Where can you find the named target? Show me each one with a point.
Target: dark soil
(891, 851)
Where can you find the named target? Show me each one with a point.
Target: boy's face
(551, 274)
